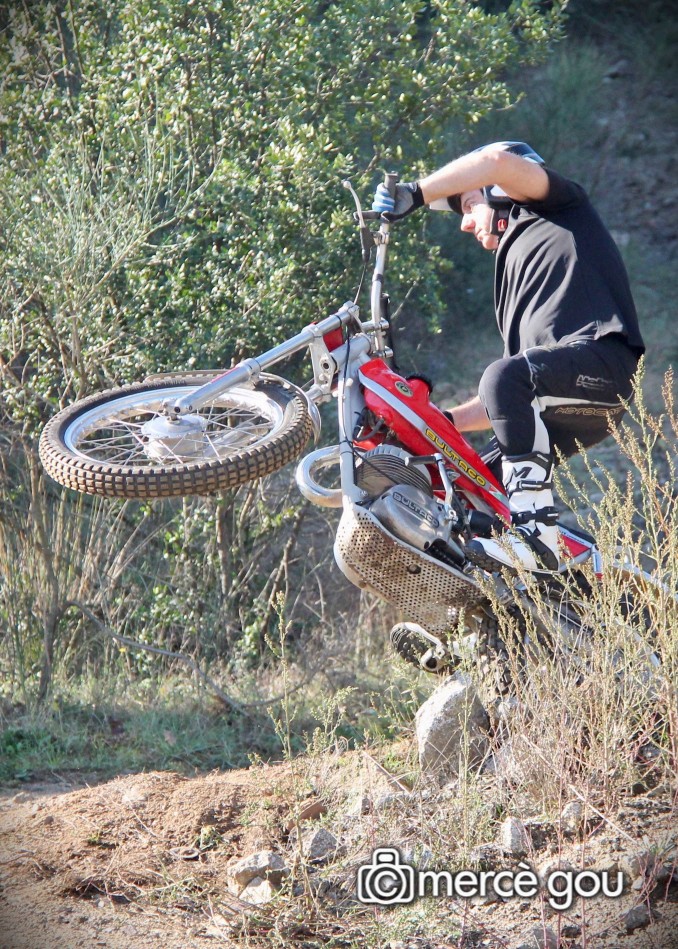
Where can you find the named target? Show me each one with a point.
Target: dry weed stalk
(596, 712)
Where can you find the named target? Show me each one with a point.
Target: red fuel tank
(405, 406)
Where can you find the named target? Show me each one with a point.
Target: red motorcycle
(413, 491)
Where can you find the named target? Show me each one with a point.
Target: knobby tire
(178, 478)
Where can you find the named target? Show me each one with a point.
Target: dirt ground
(114, 865)
(143, 860)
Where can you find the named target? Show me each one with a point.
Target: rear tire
(102, 446)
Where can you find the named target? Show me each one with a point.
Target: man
(567, 318)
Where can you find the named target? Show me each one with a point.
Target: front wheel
(121, 443)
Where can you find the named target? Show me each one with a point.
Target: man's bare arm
(521, 179)
(470, 416)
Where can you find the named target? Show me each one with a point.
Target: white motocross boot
(533, 540)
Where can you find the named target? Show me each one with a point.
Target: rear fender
(577, 548)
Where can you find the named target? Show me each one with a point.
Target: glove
(408, 198)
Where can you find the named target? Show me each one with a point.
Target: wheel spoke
(125, 457)
(111, 442)
(121, 435)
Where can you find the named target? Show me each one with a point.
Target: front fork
(248, 371)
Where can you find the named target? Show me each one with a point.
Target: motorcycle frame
(336, 373)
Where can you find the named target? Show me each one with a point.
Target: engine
(402, 499)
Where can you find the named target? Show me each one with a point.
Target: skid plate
(426, 590)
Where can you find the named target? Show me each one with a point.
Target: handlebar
(368, 240)
(390, 182)
(391, 179)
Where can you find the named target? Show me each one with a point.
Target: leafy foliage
(172, 172)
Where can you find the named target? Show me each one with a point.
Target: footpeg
(478, 556)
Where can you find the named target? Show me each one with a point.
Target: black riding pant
(554, 399)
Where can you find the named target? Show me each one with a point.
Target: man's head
(485, 210)
(478, 218)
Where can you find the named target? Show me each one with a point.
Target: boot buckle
(545, 515)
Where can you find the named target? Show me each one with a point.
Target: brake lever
(359, 210)
(366, 238)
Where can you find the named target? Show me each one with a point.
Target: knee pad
(504, 384)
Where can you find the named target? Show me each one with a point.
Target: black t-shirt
(559, 276)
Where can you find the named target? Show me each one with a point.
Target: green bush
(172, 185)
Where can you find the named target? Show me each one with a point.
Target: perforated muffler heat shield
(426, 590)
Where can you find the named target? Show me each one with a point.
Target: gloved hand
(408, 198)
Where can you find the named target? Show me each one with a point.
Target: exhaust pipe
(305, 476)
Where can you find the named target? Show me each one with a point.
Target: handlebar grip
(390, 182)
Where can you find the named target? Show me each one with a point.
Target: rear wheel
(122, 443)
(568, 618)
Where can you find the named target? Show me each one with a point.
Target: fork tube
(377, 290)
(350, 403)
(250, 369)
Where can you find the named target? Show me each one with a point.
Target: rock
(451, 729)
(264, 864)
(505, 764)
(637, 865)
(318, 845)
(393, 798)
(514, 837)
(607, 864)
(507, 707)
(645, 867)
(360, 806)
(570, 930)
(572, 817)
(490, 898)
(545, 869)
(258, 891)
(540, 831)
(486, 857)
(663, 873)
(540, 937)
(621, 68)
(637, 918)
(416, 856)
(311, 811)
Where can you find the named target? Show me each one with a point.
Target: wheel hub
(174, 438)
